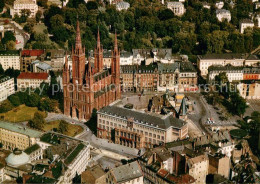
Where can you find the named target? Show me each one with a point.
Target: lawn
(73, 129)
(38, 28)
(20, 114)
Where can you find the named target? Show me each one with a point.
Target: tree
(46, 104)
(15, 100)
(1, 70)
(33, 100)
(10, 45)
(9, 36)
(2, 4)
(28, 27)
(5, 106)
(92, 123)
(76, 179)
(92, 5)
(63, 127)
(237, 104)
(38, 16)
(38, 121)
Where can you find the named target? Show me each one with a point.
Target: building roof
(221, 11)
(187, 67)
(168, 68)
(253, 57)
(32, 148)
(197, 159)
(34, 52)
(123, 5)
(4, 78)
(174, 3)
(44, 66)
(9, 53)
(151, 119)
(24, 2)
(127, 172)
(225, 68)
(246, 21)
(20, 129)
(223, 56)
(27, 75)
(91, 174)
(17, 158)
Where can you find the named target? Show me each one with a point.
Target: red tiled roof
(26, 75)
(34, 52)
(162, 172)
(186, 178)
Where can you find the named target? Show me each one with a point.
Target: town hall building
(87, 87)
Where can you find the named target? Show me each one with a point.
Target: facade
(252, 60)
(204, 62)
(177, 8)
(178, 76)
(246, 23)
(219, 164)
(27, 57)
(137, 129)
(219, 4)
(122, 5)
(251, 73)
(233, 73)
(223, 14)
(16, 136)
(249, 89)
(31, 80)
(6, 87)
(55, 58)
(198, 168)
(90, 87)
(129, 173)
(10, 59)
(20, 5)
(35, 152)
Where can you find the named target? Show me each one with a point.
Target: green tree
(1, 70)
(9, 36)
(10, 45)
(15, 100)
(5, 106)
(38, 121)
(38, 16)
(63, 127)
(33, 100)
(28, 27)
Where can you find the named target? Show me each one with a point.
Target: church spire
(115, 46)
(78, 46)
(98, 40)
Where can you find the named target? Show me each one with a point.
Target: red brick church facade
(86, 87)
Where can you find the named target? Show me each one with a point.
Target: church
(87, 86)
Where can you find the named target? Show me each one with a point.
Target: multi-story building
(252, 60)
(55, 58)
(16, 136)
(177, 8)
(6, 87)
(40, 67)
(31, 80)
(86, 88)
(219, 164)
(27, 57)
(129, 173)
(20, 5)
(251, 73)
(219, 4)
(198, 168)
(233, 73)
(249, 89)
(138, 129)
(244, 24)
(223, 14)
(122, 5)
(178, 76)
(205, 61)
(10, 59)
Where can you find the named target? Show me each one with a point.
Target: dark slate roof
(127, 172)
(187, 67)
(246, 21)
(9, 52)
(224, 56)
(252, 57)
(151, 119)
(224, 68)
(251, 70)
(128, 68)
(125, 54)
(168, 68)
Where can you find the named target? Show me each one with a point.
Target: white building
(258, 20)
(233, 73)
(20, 5)
(204, 62)
(126, 58)
(31, 80)
(223, 14)
(10, 59)
(198, 168)
(6, 87)
(245, 23)
(206, 5)
(177, 8)
(122, 5)
(257, 5)
(219, 4)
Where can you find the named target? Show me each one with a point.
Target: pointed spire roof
(115, 46)
(78, 38)
(183, 109)
(98, 39)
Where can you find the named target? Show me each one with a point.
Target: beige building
(139, 129)
(198, 168)
(205, 61)
(244, 24)
(55, 58)
(233, 73)
(31, 80)
(16, 136)
(219, 164)
(20, 5)
(6, 87)
(223, 14)
(249, 89)
(177, 8)
(10, 59)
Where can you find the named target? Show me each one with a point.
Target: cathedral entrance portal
(75, 112)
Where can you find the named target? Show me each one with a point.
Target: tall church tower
(78, 60)
(98, 54)
(115, 69)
